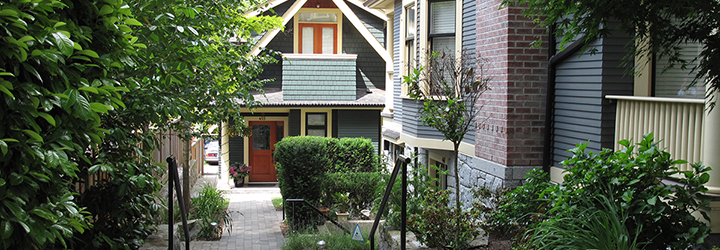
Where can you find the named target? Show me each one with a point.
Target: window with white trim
(675, 82)
(318, 31)
(410, 48)
(441, 34)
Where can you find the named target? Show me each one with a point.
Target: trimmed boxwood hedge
(314, 168)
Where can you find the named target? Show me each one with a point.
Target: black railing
(316, 210)
(173, 175)
(401, 162)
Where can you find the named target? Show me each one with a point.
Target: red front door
(262, 144)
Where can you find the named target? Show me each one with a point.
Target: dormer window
(317, 31)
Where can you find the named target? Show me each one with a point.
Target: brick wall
(513, 111)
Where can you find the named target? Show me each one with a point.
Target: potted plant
(238, 171)
(342, 204)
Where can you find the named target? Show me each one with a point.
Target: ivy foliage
(85, 86)
(56, 84)
(658, 27)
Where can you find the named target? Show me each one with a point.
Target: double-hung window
(318, 32)
(316, 124)
(410, 30)
(409, 48)
(441, 34)
(675, 82)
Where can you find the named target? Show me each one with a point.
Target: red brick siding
(513, 111)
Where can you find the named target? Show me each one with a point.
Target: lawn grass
(332, 241)
(277, 203)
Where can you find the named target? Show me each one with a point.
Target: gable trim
(355, 21)
(270, 35)
(375, 12)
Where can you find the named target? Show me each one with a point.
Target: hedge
(314, 168)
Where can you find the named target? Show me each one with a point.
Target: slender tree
(449, 87)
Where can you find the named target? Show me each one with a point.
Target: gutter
(553, 61)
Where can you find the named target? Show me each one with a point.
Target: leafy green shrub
(211, 206)
(641, 180)
(635, 176)
(57, 63)
(436, 225)
(315, 168)
(509, 213)
(420, 185)
(587, 227)
(360, 187)
(354, 155)
(301, 166)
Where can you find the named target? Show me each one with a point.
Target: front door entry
(262, 145)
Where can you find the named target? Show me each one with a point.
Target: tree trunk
(456, 145)
(186, 174)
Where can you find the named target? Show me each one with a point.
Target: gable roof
(347, 12)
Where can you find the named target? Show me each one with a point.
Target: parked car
(212, 149)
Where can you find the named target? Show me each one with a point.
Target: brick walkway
(259, 226)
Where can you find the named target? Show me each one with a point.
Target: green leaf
(652, 200)
(25, 39)
(7, 229)
(704, 178)
(89, 89)
(99, 107)
(34, 135)
(8, 12)
(82, 108)
(32, 71)
(132, 21)
(65, 45)
(3, 148)
(25, 226)
(89, 53)
(7, 92)
(58, 24)
(72, 95)
(14, 208)
(44, 214)
(48, 118)
(106, 9)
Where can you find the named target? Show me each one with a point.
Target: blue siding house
(329, 80)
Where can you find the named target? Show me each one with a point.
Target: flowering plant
(239, 170)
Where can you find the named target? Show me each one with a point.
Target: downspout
(549, 102)
(554, 60)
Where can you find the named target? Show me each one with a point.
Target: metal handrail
(318, 211)
(174, 177)
(401, 162)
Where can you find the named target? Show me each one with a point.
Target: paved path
(259, 226)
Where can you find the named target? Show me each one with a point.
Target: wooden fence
(170, 144)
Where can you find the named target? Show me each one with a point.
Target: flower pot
(326, 212)
(342, 217)
(239, 182)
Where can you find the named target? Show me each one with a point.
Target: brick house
(509, 141)
(329, 81)
(542, 101)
